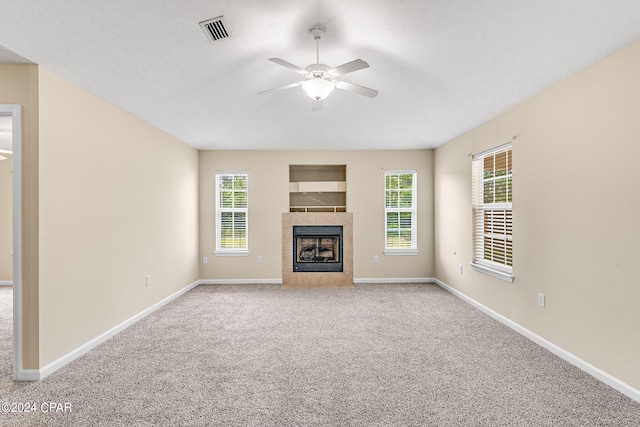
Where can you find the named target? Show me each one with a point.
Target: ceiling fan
(320, 79)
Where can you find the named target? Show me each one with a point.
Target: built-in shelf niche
(317, 188)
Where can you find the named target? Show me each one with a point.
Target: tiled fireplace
(317, 249)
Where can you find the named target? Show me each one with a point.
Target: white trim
(413, 210)
(401, 171)
(35, 374)
(231, 253)
(16, 146)
(597, 373)
(395, 280)
(480, 208)
(400, 252)
(6, 282)
(502, 275)
(279, 281)
(491, 150)
(30, 375)
(240, 281)
(233, 171)
(235, 251)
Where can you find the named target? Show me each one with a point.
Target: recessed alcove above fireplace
(317, 188)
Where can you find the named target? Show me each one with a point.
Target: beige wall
(269, 198)
(576, 206)
(6, 218)
(118, 201)
(19, 85)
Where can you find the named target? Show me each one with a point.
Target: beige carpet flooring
(6, 345)
(374, 355)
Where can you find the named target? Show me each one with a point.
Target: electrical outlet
(205, 260)
(541, 299)
(375, 258)
(460, 269)
(259, 260)
(148, 280)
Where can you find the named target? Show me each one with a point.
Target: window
(231, 213)
(492, 212)
(400, 209)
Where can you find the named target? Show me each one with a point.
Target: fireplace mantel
(291, 279)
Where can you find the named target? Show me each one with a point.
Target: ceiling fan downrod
(317, 31)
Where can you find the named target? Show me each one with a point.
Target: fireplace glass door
(317, 248)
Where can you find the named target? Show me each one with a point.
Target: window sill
(507, 277)
(396, 252)
(231, 253)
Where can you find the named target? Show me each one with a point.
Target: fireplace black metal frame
(318, 231)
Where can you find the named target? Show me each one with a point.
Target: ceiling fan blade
(288, 65)
(361, 90)
(349, 67)
(316, 105)
(275, 89)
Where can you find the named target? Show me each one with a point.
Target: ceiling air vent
(214, 29)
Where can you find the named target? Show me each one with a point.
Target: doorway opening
(11, 151)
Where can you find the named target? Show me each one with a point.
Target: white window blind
(231, 213)
(400, 212)
(492, 173)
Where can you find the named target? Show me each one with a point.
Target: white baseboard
(279, 281)
(29, 375)
(240, 281)
(38, 374)
(6, 282)
(395, 280)
(597, 373)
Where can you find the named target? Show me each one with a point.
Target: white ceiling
(442, 67)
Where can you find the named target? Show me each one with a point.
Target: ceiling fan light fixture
(320, 79)
(318, 88)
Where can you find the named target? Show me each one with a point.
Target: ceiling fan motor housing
(318, 71)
